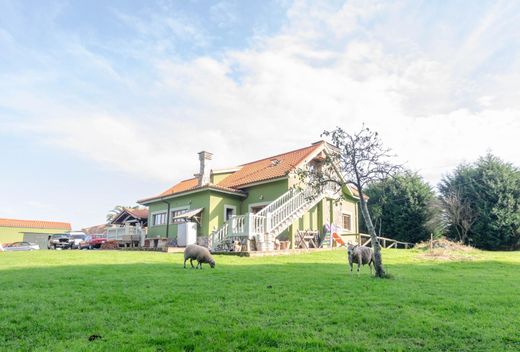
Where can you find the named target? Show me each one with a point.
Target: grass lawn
(143, 301)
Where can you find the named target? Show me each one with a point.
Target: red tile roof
(34, 224)
(257, 171)
(141, 213)
(182, 186)
(268, 168)
(95, 230)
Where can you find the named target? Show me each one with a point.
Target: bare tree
(459, 214)
(357, 160)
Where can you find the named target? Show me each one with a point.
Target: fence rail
(385, 242)
(125, 233)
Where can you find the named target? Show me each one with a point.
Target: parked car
(97, 242)
(20, 246)
(60, 240)
(77, 238)
(85, 244)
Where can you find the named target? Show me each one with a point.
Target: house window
(178, 212)
(256, 208)
(229, 211)
(347, 222)
(159, 219)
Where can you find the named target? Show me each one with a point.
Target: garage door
(38, 238)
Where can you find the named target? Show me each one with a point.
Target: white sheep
(200, 254)
(360, 255)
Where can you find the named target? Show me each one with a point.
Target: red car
(91, 243)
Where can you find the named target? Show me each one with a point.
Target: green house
(254, 201)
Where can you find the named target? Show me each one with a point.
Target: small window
(159, 219)
(256, 209)
(177, 213)
(347, 222)
(229, 213)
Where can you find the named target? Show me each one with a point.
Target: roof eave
(190, 191)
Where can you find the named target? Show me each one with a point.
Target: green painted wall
(264, 193)
(216, 178)
(15, 234)
(214, 202)
(322, 213)
(212, 216)
(198, 200)
(218, 202)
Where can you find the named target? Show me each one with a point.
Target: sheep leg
(199, 264)
(185, 259)
(191, 262)
(359, 263)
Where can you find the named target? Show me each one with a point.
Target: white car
(20, 246)
(77, 237)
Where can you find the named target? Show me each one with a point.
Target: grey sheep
(200, 254)
(360, 255)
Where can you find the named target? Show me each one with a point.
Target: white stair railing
(301, 201)
(218, 236)
(257, 224)
(236, 226)
(273, 219)
(278, 202)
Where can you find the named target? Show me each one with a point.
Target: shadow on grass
(253, 306)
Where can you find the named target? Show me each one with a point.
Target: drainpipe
(167, 218)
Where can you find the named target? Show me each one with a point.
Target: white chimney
(204, 175)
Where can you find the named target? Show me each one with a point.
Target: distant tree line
(477, 204)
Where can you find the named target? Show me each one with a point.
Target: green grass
(139, 301)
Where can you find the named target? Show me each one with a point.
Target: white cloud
(324, 68)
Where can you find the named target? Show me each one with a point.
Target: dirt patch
(110, 245)
(445, 250)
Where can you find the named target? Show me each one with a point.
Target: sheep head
(350, 248)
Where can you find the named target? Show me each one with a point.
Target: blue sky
(107, 102)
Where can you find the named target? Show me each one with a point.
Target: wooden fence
(385, 242)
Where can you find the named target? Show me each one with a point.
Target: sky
(103, 103)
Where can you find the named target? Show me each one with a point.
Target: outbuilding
(36, 231)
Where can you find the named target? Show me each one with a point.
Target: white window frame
(343, 222)
(157, 213)
(177, 221)
(226, 207)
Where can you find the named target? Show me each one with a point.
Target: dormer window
(315, 165)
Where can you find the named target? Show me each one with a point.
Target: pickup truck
(60, 240)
